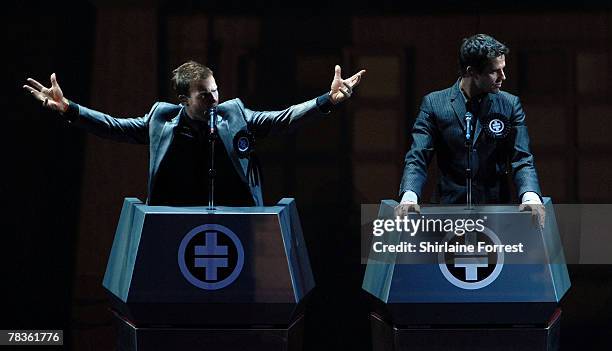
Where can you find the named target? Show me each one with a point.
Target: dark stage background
(62, 190)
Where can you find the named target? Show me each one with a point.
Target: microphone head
(468, 115)
(212, 120)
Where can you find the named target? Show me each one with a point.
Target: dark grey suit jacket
(156, 128)
(440, 128)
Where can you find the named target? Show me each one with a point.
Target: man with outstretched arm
(178, 140)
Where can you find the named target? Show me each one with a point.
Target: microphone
(212, 137)
(468, 126)
(212, 122)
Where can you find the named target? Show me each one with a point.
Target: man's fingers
(53, 80)
(538, 214)
(405, 208)
(29, 89)
(349, 88)
(541, 217)
(346, 93)
(402, 210)
(337, 72)
(356, 78)
(398, 210)
(35, 93)
(36, 84)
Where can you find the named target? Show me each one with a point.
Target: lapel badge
(496, 126)
(244, 143)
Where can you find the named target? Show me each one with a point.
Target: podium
(438, 298)
(190, 278)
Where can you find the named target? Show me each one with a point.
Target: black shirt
(182, 178)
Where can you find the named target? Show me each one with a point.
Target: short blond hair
(186, 73)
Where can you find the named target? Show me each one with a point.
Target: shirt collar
(194, 125)
(466, 100)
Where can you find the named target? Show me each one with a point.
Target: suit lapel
(484, 110)
(226, 136)
(458, 104)
(165, 139)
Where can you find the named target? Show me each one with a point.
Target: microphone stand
(212, 137)
(468, 169)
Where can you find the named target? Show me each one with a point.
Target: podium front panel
(230, 266)
(460, 288)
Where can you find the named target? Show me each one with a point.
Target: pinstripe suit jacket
(156, 128)
(440, 128)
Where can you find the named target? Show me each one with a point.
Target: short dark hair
(186, 73)
(477, 50)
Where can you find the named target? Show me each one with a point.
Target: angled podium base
(471, 299)
(192, 278)
(190, 338)
(386, 337)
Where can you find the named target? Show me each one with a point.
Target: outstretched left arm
(275, 122)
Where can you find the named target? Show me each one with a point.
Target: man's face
(203, 94)
(491, 78)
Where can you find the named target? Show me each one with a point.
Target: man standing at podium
(178, 135)
(500, 142)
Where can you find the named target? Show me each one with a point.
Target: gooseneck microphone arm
(212, 137)
(468, 169)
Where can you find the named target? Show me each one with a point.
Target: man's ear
(183, 100)
(469, 71)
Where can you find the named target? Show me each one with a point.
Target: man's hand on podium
(538, 213)
(408, 203)
(404, 208)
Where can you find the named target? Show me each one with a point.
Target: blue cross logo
(211, 264)
(471, 264)
(496, 126)
(211, 256)
(243, 144)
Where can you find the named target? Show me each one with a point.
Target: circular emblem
(497, 126)
(244, 143)
(211, 256)
(475, 270)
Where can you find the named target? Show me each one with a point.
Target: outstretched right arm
(132, 130)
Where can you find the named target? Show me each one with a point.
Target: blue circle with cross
(243, 144)
(472, 264)
(211, 256)
(496, 126)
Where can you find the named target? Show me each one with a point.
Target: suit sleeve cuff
(72, 113)
(324, 104)
(410, 196)
(530, 197)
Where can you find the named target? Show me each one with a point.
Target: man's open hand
(52, 98)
